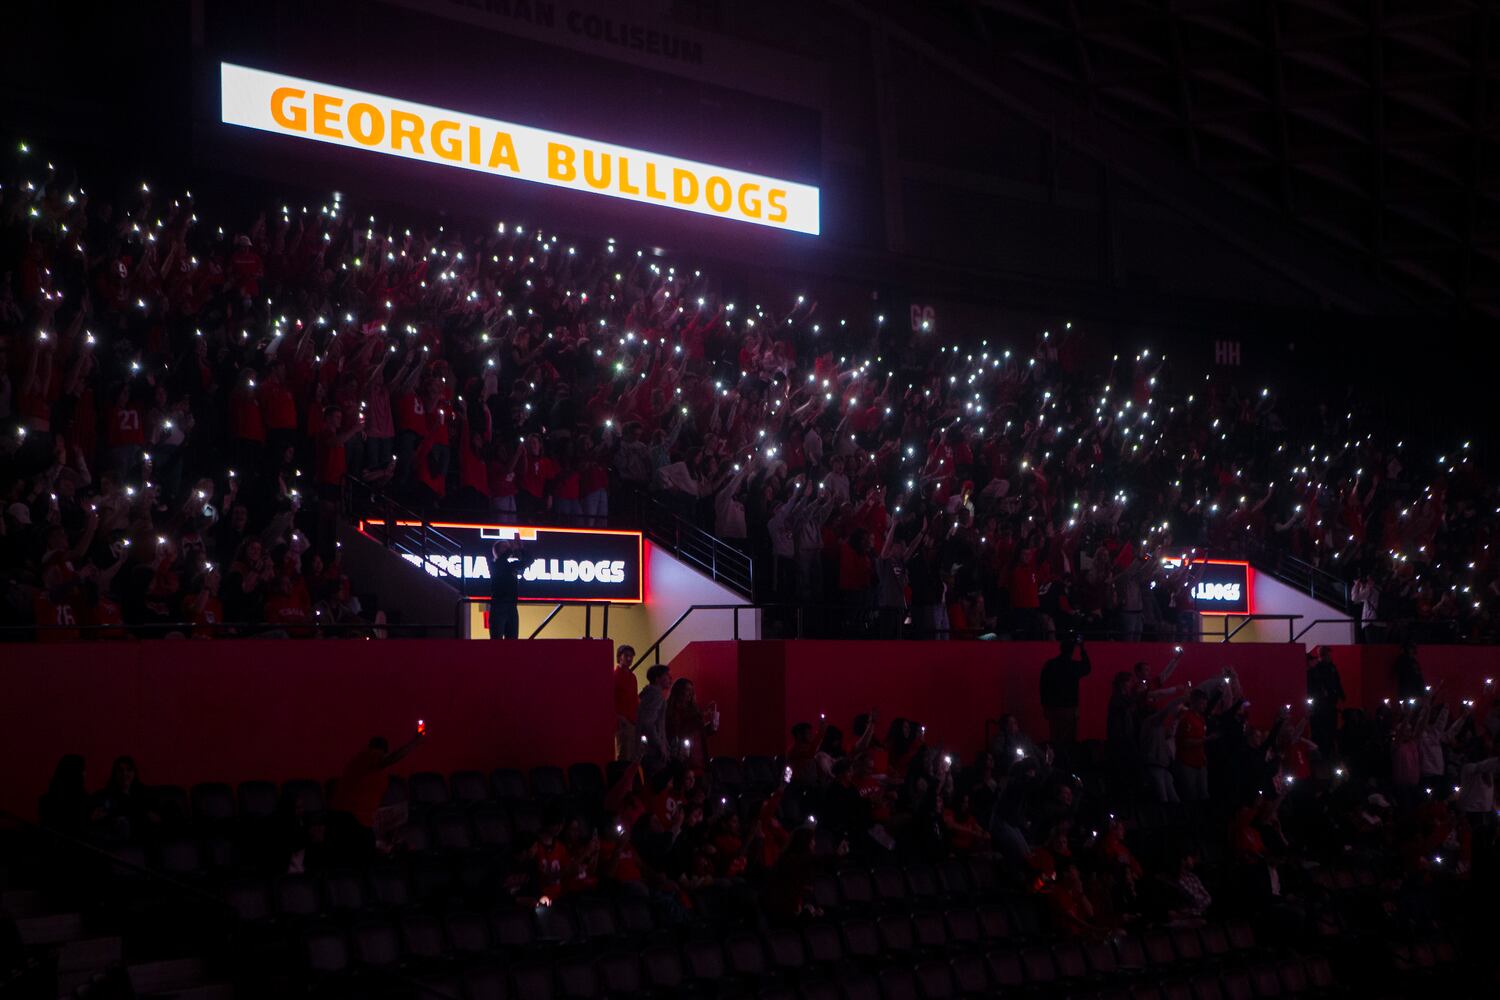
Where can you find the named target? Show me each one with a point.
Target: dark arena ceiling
(1372, 123)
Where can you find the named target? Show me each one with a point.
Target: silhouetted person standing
(1059, 690)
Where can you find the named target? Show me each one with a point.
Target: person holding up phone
(360, 789)
(506, 564)
(1059, 690)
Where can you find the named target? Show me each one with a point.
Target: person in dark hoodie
(651, 718)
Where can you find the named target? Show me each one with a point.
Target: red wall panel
(954, 687)
(237, 710)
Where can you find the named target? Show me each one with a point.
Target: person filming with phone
(361, 787)
(1059, 690)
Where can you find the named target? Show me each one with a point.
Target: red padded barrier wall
(953, 687)
(238, 710)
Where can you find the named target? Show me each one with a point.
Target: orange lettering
(625, 186)
(684, 186)
(448, 149)
(474, 144)
(560, 162)
(597, 179)
(356, 118)
(325, 115)
(721, 186)
(296, 120)
(750, 206)
(503, 150)
(405, 125)
(776, 199)
(652, 191)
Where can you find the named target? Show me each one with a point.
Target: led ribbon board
(558, 564)
(1220, 586)
(375, 123)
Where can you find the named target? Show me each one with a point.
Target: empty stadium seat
(619, 974)
(861, 939)
(786, 949)
(297, 896)
(577, 978)
(895, 935)
(727, 775)
(935, 980)
(487, 982)
(662, 968)
(929, 931)
(491, 825)
(509, 784)
(548, 782)
(427, 788)
(635, 915)
(469, 786)
(855, 887)
(212, 802)
(466, 933)
(249, 898)
(421, 935)
(970, 974)
(327, 951)
(586, 780)
(302, 795)
(745, 955)
(533, 981)
(180, 856)
(256, 800)
(963, 927)
(1039, 965)
(824, 944)
(923, 883)
(1207, 988)
(596, 919)
(703, 960)
(994, 922)
(511, 927)
(898, 983)
(171, 804)
(375, 943)
(890, 885)
(450, 830)
(953, 878)
(390, 885)
(1005, 969)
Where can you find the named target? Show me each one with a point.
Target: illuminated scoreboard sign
(376, 123)
(558, 564)
(1220, 586)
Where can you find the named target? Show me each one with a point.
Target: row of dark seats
(852, 960)
(217, 802)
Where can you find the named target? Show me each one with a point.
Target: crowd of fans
(1185, 814)
(184, 395)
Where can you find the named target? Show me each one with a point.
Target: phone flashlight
(421, 727)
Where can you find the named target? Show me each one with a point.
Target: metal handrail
(1323, 621)
(1228, 635)
(587, 606)
(385, 505)
(655, 647)
(721, 561)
